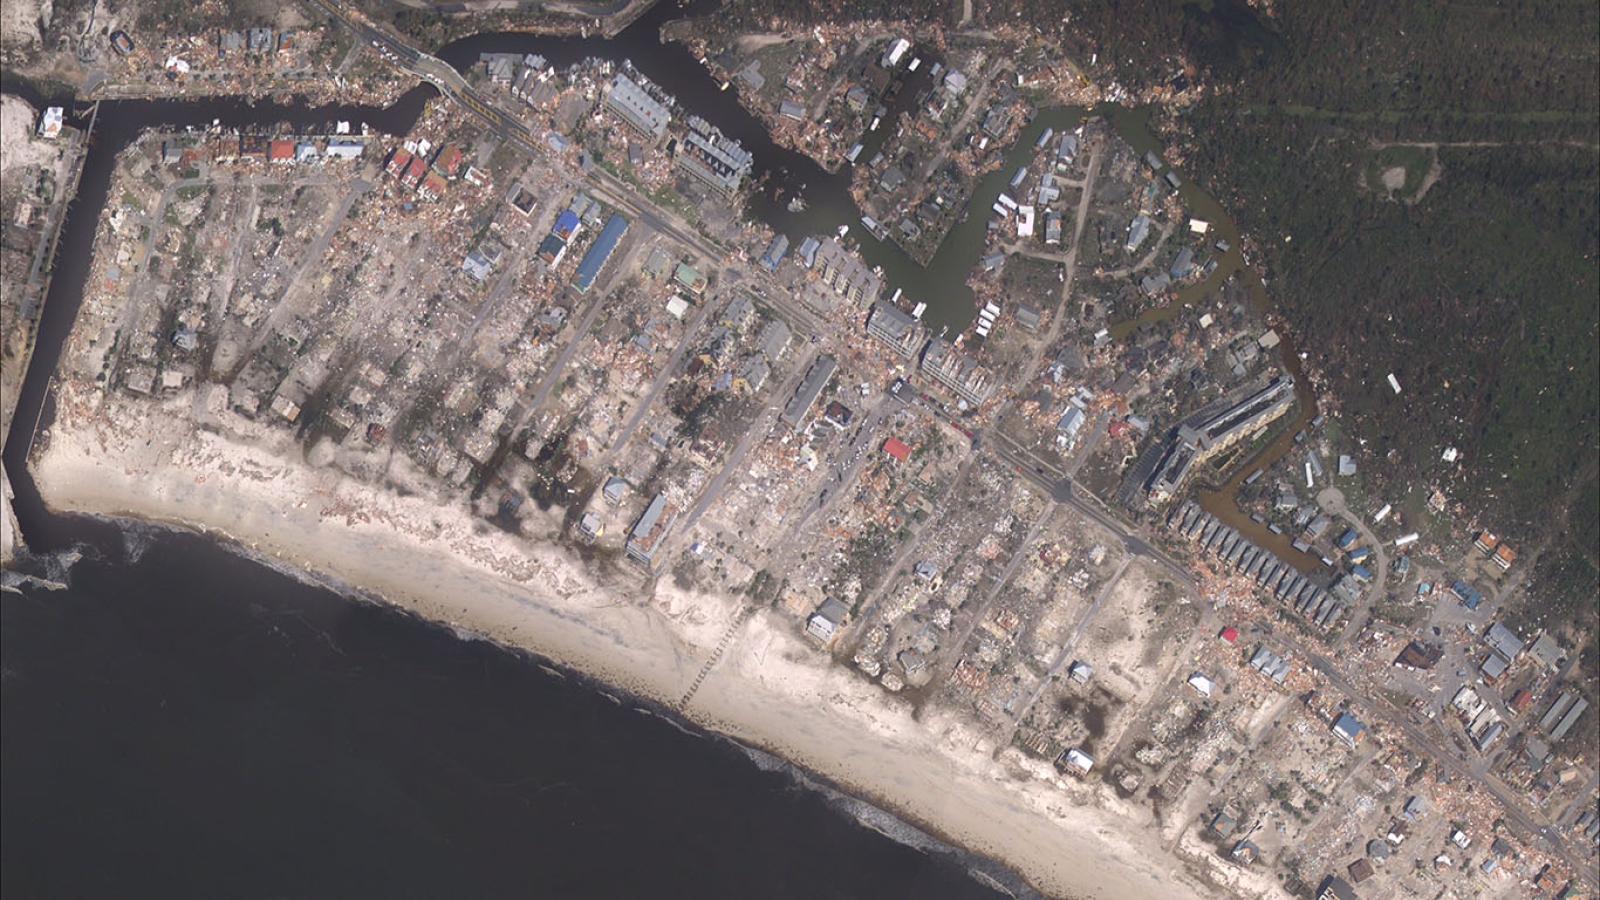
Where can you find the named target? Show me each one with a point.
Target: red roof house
(448, 160)
(281, 152)
(1521, 699)
(414, 172)
(398, 160)
(432, 187)
(1230, 634)
(897, 449)
(1119, 430)
(1504, 556)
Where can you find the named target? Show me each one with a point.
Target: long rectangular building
(708, 155)
(1201, 437)
(957, 371)
(634, 105)
(847, 274)
(895, 328)
(651, 529)
(599, 252)
(810, 389)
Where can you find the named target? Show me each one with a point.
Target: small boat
(844, 230)
(918, 310)
(895, 300)
(874, 228)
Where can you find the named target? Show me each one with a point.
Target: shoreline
(771, 690)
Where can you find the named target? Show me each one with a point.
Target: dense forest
(1475, 280)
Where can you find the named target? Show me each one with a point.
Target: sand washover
(186, 460)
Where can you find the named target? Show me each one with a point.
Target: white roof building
(1079, 760)
(50, 122)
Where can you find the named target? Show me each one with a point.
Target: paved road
(944, 671)
(758, 429)
(662, 378)
(1070, 265)
(285, 305)
(435, 71)
(547, 383)
(870, 604)
(1065, 653)
(1332, 499)
(854, 455)
(1066, 491)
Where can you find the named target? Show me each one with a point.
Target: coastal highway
(1065, 491)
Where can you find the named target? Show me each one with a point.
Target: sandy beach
(184, 460)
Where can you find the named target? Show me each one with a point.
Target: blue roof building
(1470, 597)
(599, 252)
(1349, 729)
(566, 225)
(808, 251)
(775, 253)
(1348, 539)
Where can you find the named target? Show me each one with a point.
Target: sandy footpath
(771, 688)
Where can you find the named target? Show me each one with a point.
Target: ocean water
(181, 722)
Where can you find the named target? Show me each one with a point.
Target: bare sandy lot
(19, 145)
(19, 21)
